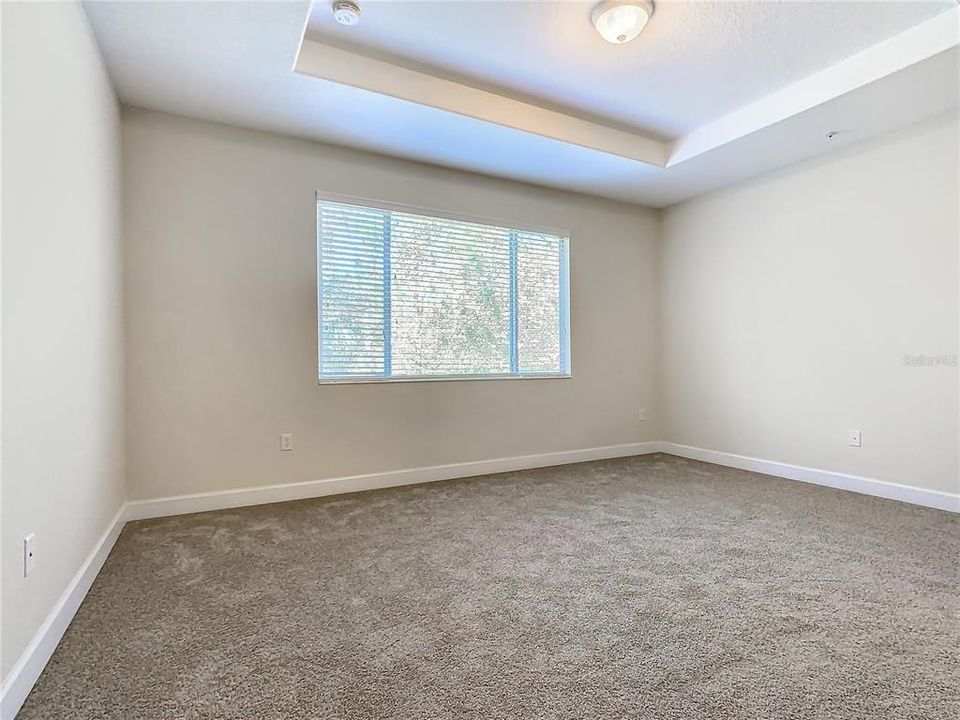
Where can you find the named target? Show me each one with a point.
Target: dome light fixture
(346, 12)
(620, 22)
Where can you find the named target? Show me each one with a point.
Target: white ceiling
(694, 62)
(734, 79)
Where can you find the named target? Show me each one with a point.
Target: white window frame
(566, 359)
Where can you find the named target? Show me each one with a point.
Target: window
(411, 296)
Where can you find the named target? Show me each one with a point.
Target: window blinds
(407, 296)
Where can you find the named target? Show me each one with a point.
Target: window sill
(439, 378)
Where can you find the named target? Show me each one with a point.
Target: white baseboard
(829, 478)
(27, 669)
(31, 663)
(202, 502)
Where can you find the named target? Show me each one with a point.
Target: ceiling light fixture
(620, 22)
(346, 12)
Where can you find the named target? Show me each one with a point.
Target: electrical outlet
(643, 415)
(29, 554)
(853, 438)
(286, 441)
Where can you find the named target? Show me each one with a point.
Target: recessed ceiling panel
(233, 62)
(693, 63)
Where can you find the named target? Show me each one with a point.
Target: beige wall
(786, 309)
(221, 301)
(63, 432)
(789, 304)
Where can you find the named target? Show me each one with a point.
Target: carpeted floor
(649, 587)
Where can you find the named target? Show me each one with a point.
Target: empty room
(480, 359)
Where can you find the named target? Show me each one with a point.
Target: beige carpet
(649, 587)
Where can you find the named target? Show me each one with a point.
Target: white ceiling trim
(930, 38)
(357, 70)
(361, 71)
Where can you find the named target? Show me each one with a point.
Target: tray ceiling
(710, 93)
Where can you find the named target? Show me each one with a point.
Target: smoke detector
(346, 12)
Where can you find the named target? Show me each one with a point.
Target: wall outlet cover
(29, 553)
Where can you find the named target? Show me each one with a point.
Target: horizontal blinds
(351, 283)
(450, 297)
(408, 295)
(538, 303)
